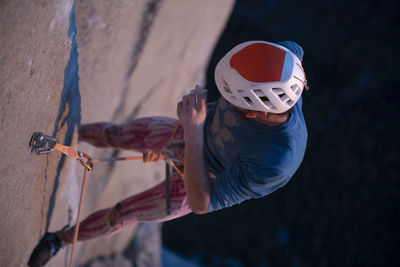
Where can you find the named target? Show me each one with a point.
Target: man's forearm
(192, 112)
(197, 184)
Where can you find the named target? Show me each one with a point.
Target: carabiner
(41, 143)
(88, 164)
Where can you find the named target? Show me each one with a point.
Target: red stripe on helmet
(259, 62)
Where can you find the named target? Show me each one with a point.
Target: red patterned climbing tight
(150, 206)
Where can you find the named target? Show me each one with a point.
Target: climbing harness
(43, 144)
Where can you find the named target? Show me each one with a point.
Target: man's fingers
(146, 155)
(151, 156)
(185, 101)
(196, 98)
(201, 95)
(179, 107)
(198, 90)
(192, 98)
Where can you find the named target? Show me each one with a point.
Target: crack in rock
(149, 14)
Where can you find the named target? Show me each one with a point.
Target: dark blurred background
(341, 207)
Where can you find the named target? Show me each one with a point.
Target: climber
(246, 145)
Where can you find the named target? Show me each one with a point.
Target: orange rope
(305, 85)
(116, 159)
(78, 217)
(176, 126)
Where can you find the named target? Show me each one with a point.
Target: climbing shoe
(48, 247)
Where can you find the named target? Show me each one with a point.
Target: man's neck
(272, 120)
(269, 119)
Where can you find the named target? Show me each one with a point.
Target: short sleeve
(243, 181)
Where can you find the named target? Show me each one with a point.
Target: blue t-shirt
(249, 159)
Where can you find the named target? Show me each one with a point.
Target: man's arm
(191, 112)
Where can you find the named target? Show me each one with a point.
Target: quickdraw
(43, 144)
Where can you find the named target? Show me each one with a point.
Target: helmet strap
(248, 115)
(242, 116)
(251, 114)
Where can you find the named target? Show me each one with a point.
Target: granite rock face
(65, 63)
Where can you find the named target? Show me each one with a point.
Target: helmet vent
(278, 91)
(248, 100)
(260, 94)
(245, 97)
(281, 94)
(233, 98)
(284, 98)
(226, 88)
(295, 88)
(266, 102)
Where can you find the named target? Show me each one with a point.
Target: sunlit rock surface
(66, 63)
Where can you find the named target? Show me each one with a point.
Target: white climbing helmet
(261, 76)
